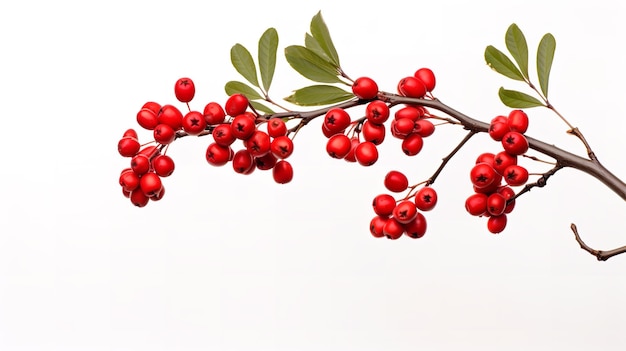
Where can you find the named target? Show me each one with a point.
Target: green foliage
(319, 30)
(316, 95)
(244, 64)
(545, 55)
(236, 87)
(268, 45)
(516, 44)
(501, 63)
(516, 99)
(311, 65)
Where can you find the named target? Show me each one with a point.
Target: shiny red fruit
(426, 199)
(194, 123)
(163, 165)
(282, 172)
(417, 227)
(365, 88)
(377, 225)
(496, 224)
(338, 146)
(236, 105)
(366, 154)
(412, 87)
(184, 89)
(384, 204)
(377, 112)
(518, 121)
(515, 143)
(214, 113)
(396, 181)
(427, 76)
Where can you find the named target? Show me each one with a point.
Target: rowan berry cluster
(491, 197)
(396, 217)
(265, 150)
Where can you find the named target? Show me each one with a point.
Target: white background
(229, 262)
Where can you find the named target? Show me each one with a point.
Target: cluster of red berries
(264, 150)
(141, 182)
(410, 123)
(396, 217)
(491, 197)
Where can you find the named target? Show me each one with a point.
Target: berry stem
(446, 159)
(600, 255)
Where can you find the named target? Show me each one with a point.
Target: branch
(600, 255)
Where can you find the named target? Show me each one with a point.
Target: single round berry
(377, 112)
(164, 134)
(509, 196)
(384, 204)
(354, 143)
(130, 133)
(482, 175)
(140, 164)
(236, 105)
(497, 130)
(412, 87)
(214, 113)
(426, 199)
(282, 172)
(366, 154)
(396, 181)
(128, 146)
(496, 224)
(403, 126)
(515, 143)
(416, 228)
(518, 121)
(171, 116)
(476, 204)
(218, 155)
(424, 127)
(427, 77)
(276, 127)
(338, 146)
(405, 212)
(242, 127)
(265, 162)
(258, 144)
(147, 119)
(411, 112)
(223, 134)
(377, 225)
(515, 175)
(373, 132)
(393, 229)
(282, 147)
(152, 106)
(365, 88)
(412, 144)
(194, 123)
(486, 157)
(502, 160)
(163, 165)
(150, 184)
(243, 161)
(129, 180)
(138, 198)
(336, 120)
(496, 203)
(184, 89)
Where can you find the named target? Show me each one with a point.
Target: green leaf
(319, 30)
(235, 87)
(268, 44)
(516, 44)
(500, 63)
(545, 55)
(243, 63)
(517, 99)
(260, 107)
(312, 44)
(311, 65)
(316, 95)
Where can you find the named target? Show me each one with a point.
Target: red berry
(282, 172)
(366, 153)
(338, 146)
(427, 77)
(214, 113)
(496, 204)
(424, 127)
(403, 126)
(508, 194)
(411, 112)
(164, 134)
(242, 126)
(515, 143)
(486, 157)
(265, 162)
(147, 119)
(393, 229)
(218, 155)
(354, 143)
(171, 116)
(412, 87)
(243, 161)
(138, 198)
(384, 204)
(377, 225)
(223, 134)
(150, 184)
(497, 130)
(140, 164)
(129, 180)
(476, 204)
(518, 121)
(515, 175)
(365, 88)
(482, 175)
(426, 198)
(496, 224)
(396, 181)
(336, 120)
(236, 105)
(412, 144)
(282, 147)
(258, 144)
(405, 212)
(194, 123)
(184, 89)
(417, 227)
(152, 106)
(163, 165)
(276, 127)
(128, 146)
(373, 132)
(377, 112)
(130, 133)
